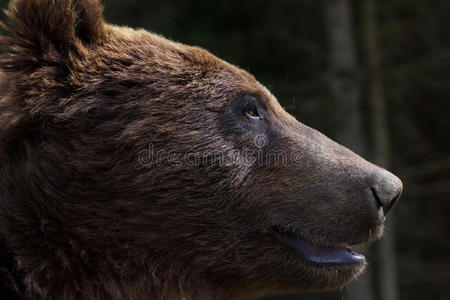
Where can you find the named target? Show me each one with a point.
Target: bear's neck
(10, 280)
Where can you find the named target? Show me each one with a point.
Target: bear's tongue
(321, 254)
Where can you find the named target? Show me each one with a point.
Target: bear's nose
(386, 190)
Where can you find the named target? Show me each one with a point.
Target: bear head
(134, 166)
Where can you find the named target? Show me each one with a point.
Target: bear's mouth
(338, 254)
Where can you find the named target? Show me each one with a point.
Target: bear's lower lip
(320, 254)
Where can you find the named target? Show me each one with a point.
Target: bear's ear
(36, 27)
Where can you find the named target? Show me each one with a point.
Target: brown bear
(134, 167)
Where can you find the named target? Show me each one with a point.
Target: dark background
(373, 75)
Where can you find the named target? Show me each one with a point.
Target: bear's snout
(332, 195)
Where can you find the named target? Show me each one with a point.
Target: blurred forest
(374, 75)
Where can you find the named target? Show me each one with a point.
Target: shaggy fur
(87, 213)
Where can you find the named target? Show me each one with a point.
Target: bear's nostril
(385, 206)
(386, 191)
(375, 196)
(391, 204)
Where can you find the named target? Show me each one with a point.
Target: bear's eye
(251, 111)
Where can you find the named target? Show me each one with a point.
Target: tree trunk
(386, 271)
(343, 74)
(345, 89)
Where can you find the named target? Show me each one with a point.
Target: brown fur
(82, 217)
